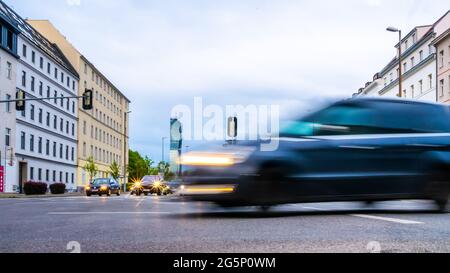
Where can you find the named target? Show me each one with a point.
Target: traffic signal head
(20, 100)
(232, 127)
(87, 100)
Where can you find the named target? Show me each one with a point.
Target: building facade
(418, 63)
(442, 45)
(8, 68)
(46, 132)
(103, 132)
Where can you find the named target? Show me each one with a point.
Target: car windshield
(102, 181)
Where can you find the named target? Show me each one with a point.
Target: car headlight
(137, 184)
(217, 159)
(87, 188)
(103, 187)
(157, 184)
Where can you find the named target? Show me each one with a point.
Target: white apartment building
(418, 62)
(8, 67)
(46, 132)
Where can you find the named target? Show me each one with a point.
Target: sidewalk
(16, 195)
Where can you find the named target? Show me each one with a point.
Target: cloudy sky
(291, 53)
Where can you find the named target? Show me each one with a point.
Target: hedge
(35, 188)
(58, 188)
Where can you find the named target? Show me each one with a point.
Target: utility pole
(125, 136)
(400, 77)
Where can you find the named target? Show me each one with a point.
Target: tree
(91, 168)
(138, 167)
(114, 170)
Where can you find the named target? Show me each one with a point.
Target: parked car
(355, 150)
(102, 186)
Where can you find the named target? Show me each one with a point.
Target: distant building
(103, 132)
(418, 66)
(176, 144)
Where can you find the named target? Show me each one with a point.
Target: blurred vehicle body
(102, 186)
(354, 150)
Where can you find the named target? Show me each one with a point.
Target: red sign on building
(2, 179)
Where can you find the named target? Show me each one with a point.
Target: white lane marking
(140, 202)
(394, 220)
(107, 213)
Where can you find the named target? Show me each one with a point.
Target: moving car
(151, 184)
(354, 150)
(102, 186)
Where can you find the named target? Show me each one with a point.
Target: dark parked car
(102, 186)
(151, 184)
(355, 150)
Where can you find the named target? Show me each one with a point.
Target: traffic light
(20, 100)
(232, 127)
(87, 100)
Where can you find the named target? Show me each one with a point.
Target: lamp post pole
(400, 76)
(125, 151)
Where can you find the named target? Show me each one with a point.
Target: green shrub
(35, 188)
(58, 188)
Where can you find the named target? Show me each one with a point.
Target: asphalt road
(161, 224)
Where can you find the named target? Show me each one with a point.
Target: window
(47, 119)
(61, 177)
(62, 100)
(33, 56)
(73, 107)
(55, 95)
(32, 83)
(73, 129)
(31, 173)
(48, 68)
(72, 154)
(62, 77)
(430, 81)
(8, 105)
(61, 147)
(24, 51)
(85, 68)
(421, 86)
(406, 44)
(40, 145)
(40, 115)
(41, 63)
(67, 152)
(84, 149)
(55, 122)
(54, 176)
(61, 125)
(56, 73)
(67, 127)
(73, 178)
(24, 78)
(420, 55)
(22, 140)
(41, 87)
(32, 112)
(405, 67)
(7, 137)
(39, 174)
(32, 143)
(441, 59)
(67, 178)
(47, 175)
(54, 149)
(441, 88)
(8, 70)
(48, 91)
(412, 62)
(47, 147)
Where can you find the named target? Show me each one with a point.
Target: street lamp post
(400, 77)
(125, 151)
